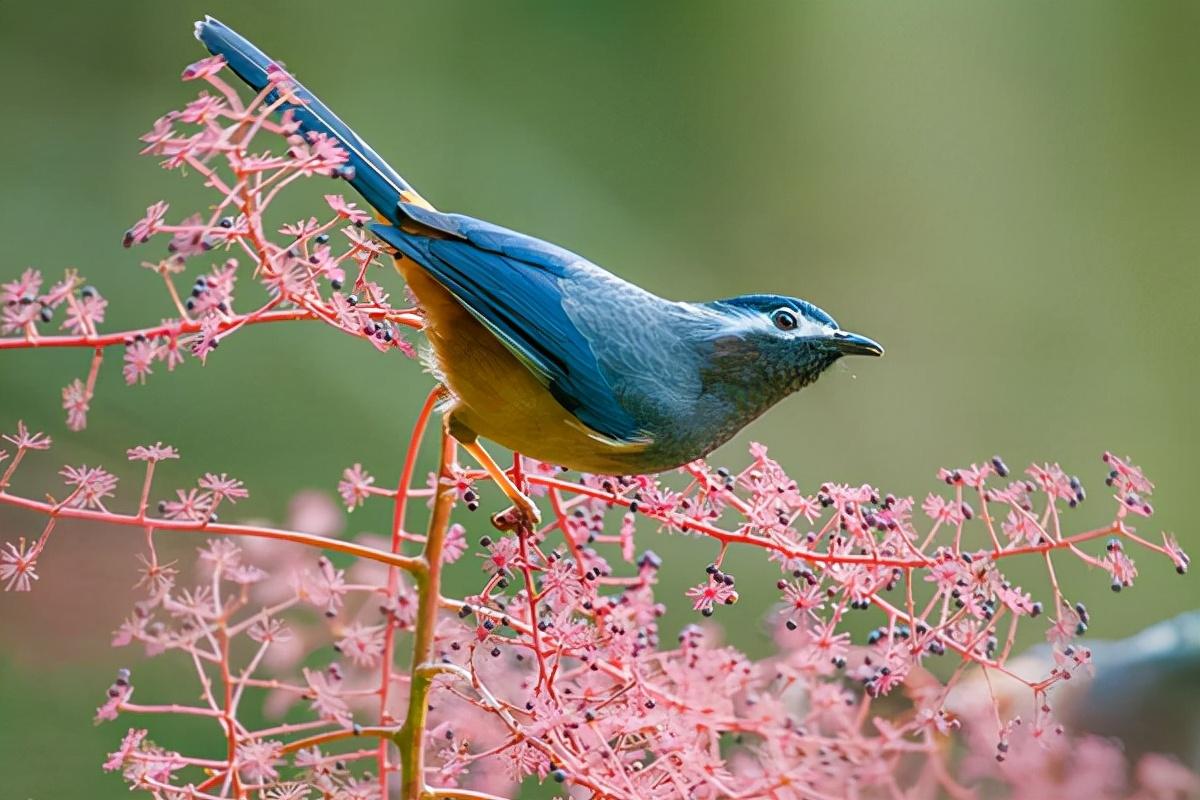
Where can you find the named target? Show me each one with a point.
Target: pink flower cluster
(554, 666)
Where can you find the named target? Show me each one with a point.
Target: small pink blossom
(85, 313)
(503, 555)
(302, 229)
(362, 644)
(1181, 559)
(75, 401)
(139, 357)
(942, 510)
(345, 210)
(710, 593)
(204, 68)
(326, 587)
(455, 543)
(223, 487)
(324, 693)
(355, 486)
(266, 629)
(154, 452)
(192, 504)
(1020, 526)
(148, 225)
(17, 566)
(158, 137)
(189, 238)
(129, 745)
(279, 78)
(92, 486)
(257, 761)
(24, 440)
(23, 290)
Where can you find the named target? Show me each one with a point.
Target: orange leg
(524, 510)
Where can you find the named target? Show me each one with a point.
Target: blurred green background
(1003, 193)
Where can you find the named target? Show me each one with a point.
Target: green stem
(410, 739)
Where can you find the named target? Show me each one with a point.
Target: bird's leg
(523, 510)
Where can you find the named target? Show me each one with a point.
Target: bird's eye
(784, 319)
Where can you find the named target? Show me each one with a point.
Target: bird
(551, 356)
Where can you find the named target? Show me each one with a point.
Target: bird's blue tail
(377, 182)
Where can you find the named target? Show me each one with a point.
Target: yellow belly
(497, 397)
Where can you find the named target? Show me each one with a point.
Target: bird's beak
(852, 344)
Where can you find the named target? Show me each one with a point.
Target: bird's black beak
(851, 344)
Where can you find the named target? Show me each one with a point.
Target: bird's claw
(521, 515)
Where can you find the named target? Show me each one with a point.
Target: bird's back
(628, 349)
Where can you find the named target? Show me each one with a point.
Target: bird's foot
(522, 515)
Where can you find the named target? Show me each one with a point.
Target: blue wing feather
(510, 282)
(507, 280)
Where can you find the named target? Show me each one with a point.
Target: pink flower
(18, 316)
(365, 247)
(362, 644)
(223, 487)
(1128, 474)
(257, 760)
(190, 238)
(204, 109)
(23, 290)
(325, 588)
(220, 555)
(266, 629)
(803, 597)
(139, 356)
(172, 353)
(86, 313)
(503, 555)
(203, 344)
(24, 440)
(324, 693)
(129, 746)
(710, 593)
(304, 228)
(326, 150)
(75, 401)
(346, 210)
(1052, 480)
(1020, 526)
(455, 543)
(154, 452)
(92, 486)
(279, 78)
(628, 528)
(204, 68)
(355, 486)
(17, 563)
(158, 137)
(1181, 559)
(1120, 566)
(946, 571)
(973, 476)
(148, 225)
(118, 693)
(941, 510)
(192, 504)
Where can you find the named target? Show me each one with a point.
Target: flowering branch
(553, 666)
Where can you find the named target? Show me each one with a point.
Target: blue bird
(551, 356)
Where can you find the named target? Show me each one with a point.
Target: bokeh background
(1003, 193)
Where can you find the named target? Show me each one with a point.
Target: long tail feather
(378, 183)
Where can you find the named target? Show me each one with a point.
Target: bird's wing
(510, 282)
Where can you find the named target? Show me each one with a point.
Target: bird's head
(775, 345)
